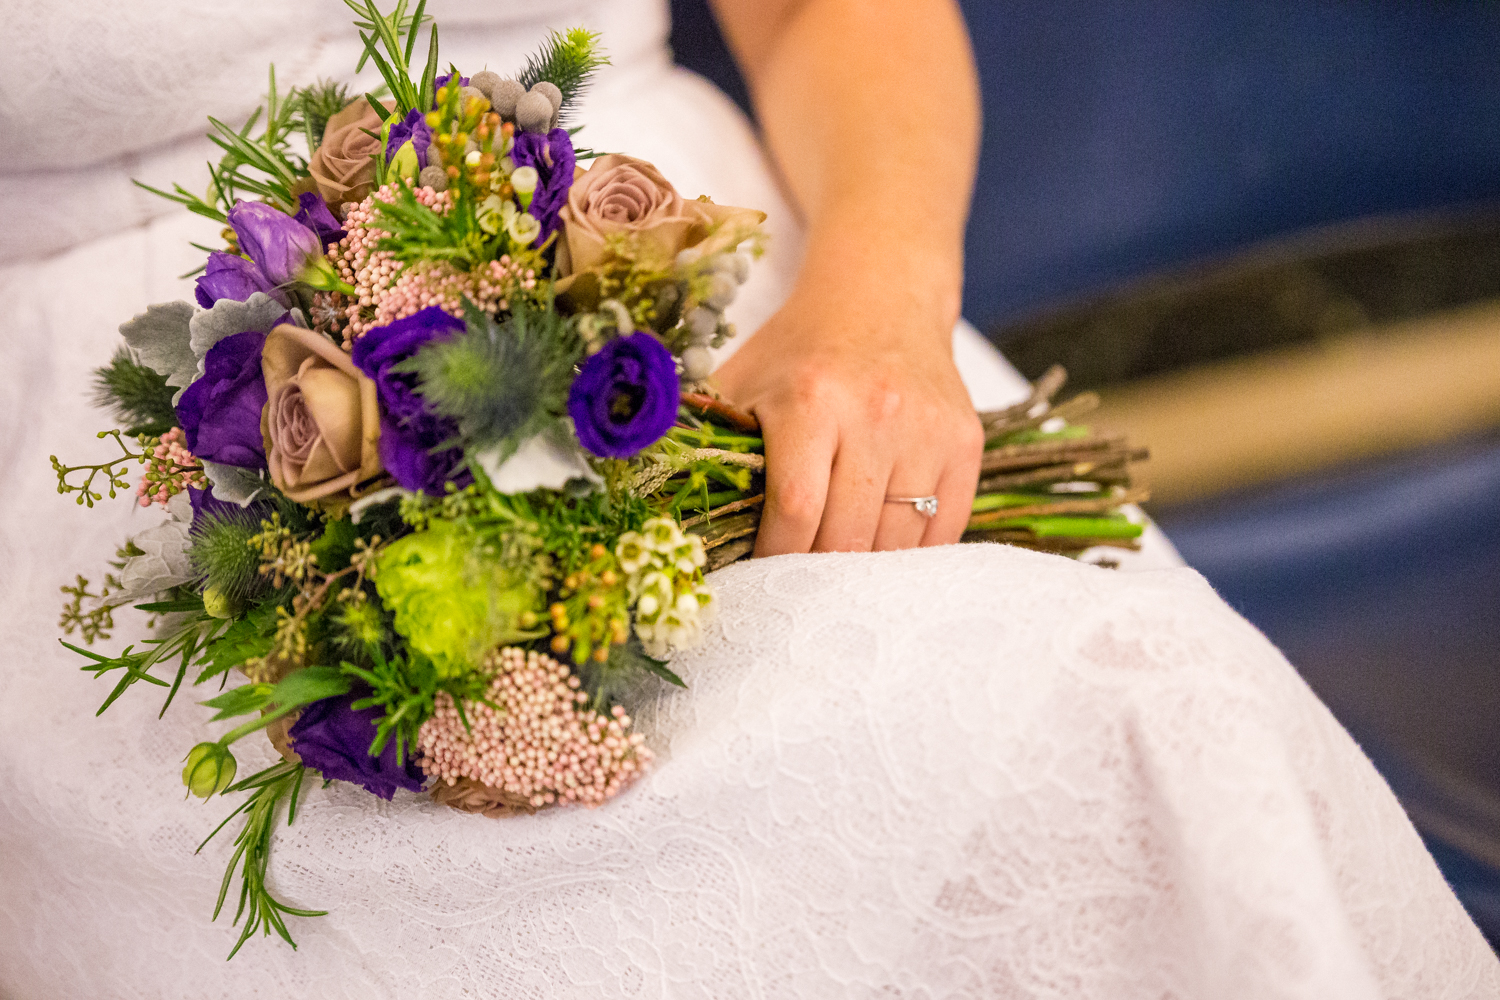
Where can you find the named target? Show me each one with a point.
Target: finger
(955, 493)
(856, 492)
(799, 455)
(902, 526)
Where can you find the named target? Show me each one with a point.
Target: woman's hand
(858, 399)
(871, 112)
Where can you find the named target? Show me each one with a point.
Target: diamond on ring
(926, 506)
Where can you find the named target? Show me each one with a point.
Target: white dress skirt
(973, 771)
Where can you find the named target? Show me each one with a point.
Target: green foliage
(566, 60)
(406, 688)
(272, 701)
(262, 911)
(501, 381)
(135, 395)
(416, 234)
(184, 643)
(384, 32)
(336, 544)
(317, 104)
(545, 525)
(245, 639)
(222, 553)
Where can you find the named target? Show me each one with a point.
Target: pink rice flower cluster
(170, 469)
(387, 290)
(543, 747)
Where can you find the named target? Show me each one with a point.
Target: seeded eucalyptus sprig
(114, 470)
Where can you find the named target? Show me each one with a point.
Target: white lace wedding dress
(967, 772)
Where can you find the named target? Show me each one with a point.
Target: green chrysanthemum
(449, 602)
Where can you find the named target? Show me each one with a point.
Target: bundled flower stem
(1045, 483)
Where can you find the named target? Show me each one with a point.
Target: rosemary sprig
(252, 854)
(185, 643)
(379, 31)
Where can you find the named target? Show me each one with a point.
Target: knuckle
(796, 504)
(969, 435)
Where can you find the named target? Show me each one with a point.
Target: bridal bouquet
(441, 471)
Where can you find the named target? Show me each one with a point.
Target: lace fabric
(973, 771)
(961, 772)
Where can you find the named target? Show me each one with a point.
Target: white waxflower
(654, 592)
(632, 552)
(690, 555)
(491, 216)
(665, 582)
(662, 535)
(524, 229)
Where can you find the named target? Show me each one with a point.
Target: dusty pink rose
(342, 166)
(322, 421)
(620, 195)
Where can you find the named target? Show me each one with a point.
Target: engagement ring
(926, 506)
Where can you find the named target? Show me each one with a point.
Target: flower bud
(697, 363)
(219, 604)
(404, 164)
(210, 768)
(524, 180)
(319, 273)
(534, 112)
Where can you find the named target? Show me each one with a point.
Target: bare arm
(869, 108)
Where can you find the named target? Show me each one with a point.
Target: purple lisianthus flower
(438, 82)
(312, 212)
(278, 243)
(625, 397)
(335, 738)
(552, 157)
(414, 127)
(220, 412)
(231, 277)
(409, 431)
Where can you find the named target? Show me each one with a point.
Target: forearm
(870, 110)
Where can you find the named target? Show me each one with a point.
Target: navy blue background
(1125, 137)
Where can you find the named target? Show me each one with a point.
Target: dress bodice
(96, 92)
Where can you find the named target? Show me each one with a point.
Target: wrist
(915, 279)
